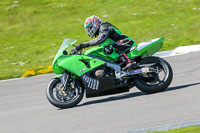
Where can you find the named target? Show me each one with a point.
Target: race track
(25, 109)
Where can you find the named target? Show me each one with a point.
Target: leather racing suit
(108, 30)
(122, 42)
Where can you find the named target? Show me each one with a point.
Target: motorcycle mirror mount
(65, 52)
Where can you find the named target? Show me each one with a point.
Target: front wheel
(156, 81)
(64, 98)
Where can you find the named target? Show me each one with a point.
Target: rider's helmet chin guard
(92, 25)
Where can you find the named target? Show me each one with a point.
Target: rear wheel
(64, 98)
(155, 81)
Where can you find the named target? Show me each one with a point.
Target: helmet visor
(89, 29)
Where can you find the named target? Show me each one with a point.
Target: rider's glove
(80, 46)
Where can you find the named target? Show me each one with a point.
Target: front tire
(61, 101)
(160, 85)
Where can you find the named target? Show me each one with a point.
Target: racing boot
(127, 64)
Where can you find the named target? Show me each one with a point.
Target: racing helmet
(92, 25)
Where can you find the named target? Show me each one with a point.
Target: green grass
(32, 31)
(192, 129)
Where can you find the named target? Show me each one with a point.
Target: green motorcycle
(97, 72)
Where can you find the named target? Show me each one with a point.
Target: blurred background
(32, 31)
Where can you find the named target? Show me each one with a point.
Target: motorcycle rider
(95, 27)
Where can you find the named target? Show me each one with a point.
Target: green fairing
(99, 51)
(67, 43)
(148, 50)
(73, 64)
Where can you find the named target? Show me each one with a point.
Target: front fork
(65, 79)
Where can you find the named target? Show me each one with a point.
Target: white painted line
(10, 80)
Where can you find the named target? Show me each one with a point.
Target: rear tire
(161, 86)
(55, 100)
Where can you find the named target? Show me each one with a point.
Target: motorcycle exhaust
(139, 71)
(136, 72)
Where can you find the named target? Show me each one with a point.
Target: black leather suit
(108, 30)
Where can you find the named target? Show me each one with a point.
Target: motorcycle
(96, 72)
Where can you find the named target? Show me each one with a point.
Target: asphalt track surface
(25, 109)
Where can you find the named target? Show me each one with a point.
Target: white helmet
(92, 25)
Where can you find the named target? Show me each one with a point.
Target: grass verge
(191, 129)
